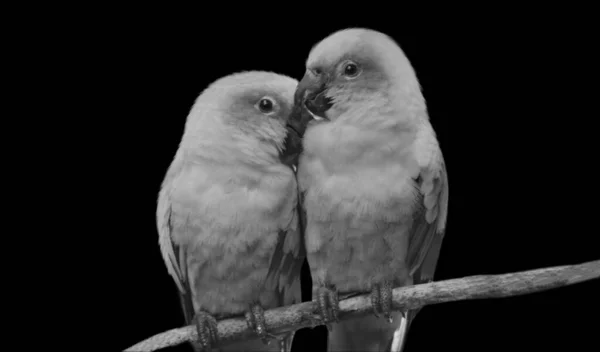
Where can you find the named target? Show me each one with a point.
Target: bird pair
(342, 168)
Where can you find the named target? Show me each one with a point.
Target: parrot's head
(357, 74)
(244, 114)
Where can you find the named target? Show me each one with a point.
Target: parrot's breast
(228, 226)
(359, 218)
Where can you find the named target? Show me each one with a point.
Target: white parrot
(227, 209)
(373, 183)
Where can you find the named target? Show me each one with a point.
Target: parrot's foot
(255, 318)
(329, 305)
(381, 300)
(206, 326)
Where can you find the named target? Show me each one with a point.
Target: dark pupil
(351, 69)
(265, 105)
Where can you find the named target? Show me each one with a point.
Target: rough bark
(302, 315)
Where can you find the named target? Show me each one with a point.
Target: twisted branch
(303, 315)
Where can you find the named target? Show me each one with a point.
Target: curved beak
(310, 103)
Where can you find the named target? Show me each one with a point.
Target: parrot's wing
(286, 262)
(173, 255)
(286, 265)
(429, 221)
(302, 216)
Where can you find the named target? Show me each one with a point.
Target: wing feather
(429, 221)
(173, 255)
(286, 263)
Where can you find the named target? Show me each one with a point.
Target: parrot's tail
(285, 345)
(255, 345)
(399, 338)
(369, 334)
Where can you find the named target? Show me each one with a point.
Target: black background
(509, 108)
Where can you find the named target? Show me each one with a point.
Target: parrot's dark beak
(310, 103)
(311, 91)
(296, 125)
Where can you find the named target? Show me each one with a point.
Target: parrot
(227, 210)
(372, 183)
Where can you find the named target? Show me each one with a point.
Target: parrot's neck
(226, 150)
(340, 143)
(227, 156)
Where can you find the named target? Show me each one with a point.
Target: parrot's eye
(265, 105)
(351, 70)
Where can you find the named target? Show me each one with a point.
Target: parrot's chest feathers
(370, 175)
(224, 205)
(364, 203)
(340, 146)
(372, 193)
(229, 221)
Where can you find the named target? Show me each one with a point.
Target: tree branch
(303, 315)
